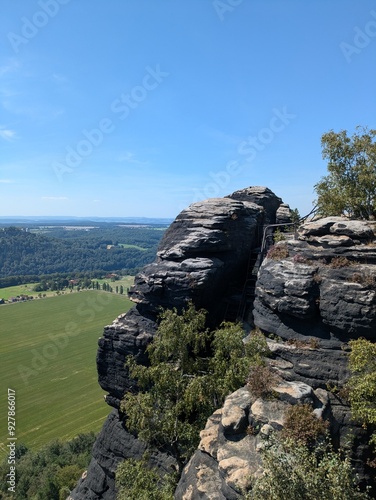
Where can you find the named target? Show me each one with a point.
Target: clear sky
(141, 107)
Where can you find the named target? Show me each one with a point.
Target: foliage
(295, 216)
(191, 371)
(50, 473)
(278, 252)
(362, 383)
(136, 481)
(292, 471)
(232, 358)
(302, 425)
(261, 381)
(25, 253)
(350, 187)
(366, 279)
(278, 236)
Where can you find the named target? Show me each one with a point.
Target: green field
(28, 288)
(13, 291)
(48, 350)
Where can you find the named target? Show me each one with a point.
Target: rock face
(228, 455)
(321, 285)
(313, 294)
(202, 256)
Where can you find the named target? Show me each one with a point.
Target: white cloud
(129, 157)
(6, 181)
(7, 134)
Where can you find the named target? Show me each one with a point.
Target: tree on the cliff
(293, 471)
(362, 383)
(350, 186)
(136, 481)
(191, 371)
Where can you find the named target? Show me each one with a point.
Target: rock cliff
(204, 257)
(313, 294)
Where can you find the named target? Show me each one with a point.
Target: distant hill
(6, 220)
(59, 248)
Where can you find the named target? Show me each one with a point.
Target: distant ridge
(61, 218)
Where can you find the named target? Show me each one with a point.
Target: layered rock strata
(313, 295)
(202, 257)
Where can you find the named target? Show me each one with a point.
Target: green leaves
(136, 481)
(350, 187)
(191, 372)
(362, 384)
(292, 471)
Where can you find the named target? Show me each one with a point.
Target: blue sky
(141, 107)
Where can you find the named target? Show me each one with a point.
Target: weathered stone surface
(355, 229)
(128, 334)
(283, 214)
(203, 254)
(234, 458)
(307, 300)
(113, 445)
(263, 197)
(317, 367)
(205, 248)
(313, 293)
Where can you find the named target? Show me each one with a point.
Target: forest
(36, 251)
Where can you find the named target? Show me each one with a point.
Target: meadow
(48, 350)
(28, 288)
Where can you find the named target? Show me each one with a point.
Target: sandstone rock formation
(320, 288)
(203, 257)
(313, 294)
(228, 455)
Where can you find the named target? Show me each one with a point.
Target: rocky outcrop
(203, 257)
(113, 445)
(283, 214)
(228, 456)
(321, 285)
(313, 294)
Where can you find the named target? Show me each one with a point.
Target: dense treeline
(26, 253)
(50, 473)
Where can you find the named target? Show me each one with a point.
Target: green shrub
(293, 472)
(361, 387)
(136, 481)
(278, 252)
(278, 236)
(191, 372)
(301, 425)
(261, 381)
